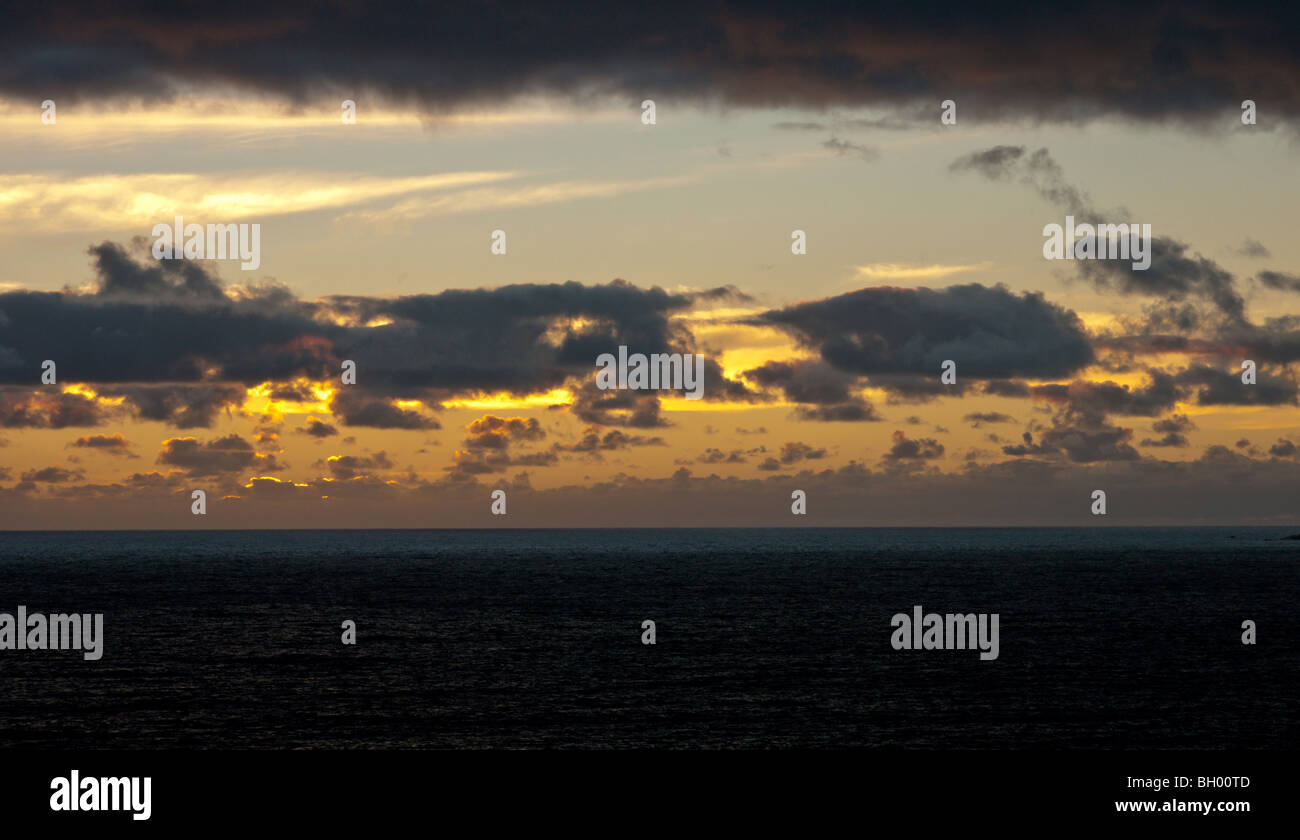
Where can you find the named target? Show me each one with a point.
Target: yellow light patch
(556, 396)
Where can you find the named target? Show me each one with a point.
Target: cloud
(1253, 249)
(1029, 447)
(988, 332)
(51, 475)
(42, 407)
(112, 444)
(856, 410)
(795, 451)
(978, 418)
(617, 408)
(317, 429)
(182, 406)
(825, 393)
(1095, 399)
(229, 454)
(896, 271)
(348, 467)
(913, 449)
(1279, 280)
(1283, 449)
(361, 410)
(146, 329)
(1173, 275)
(592, 441)
(1087, 442)
(40, 203)
(1212, 386)
(844, 147)
(713, 455)
(492, 432)
(1165, 64)
(1173, 428)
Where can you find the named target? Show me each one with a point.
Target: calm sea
(1127, 638)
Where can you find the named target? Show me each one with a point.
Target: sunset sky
(476, 371)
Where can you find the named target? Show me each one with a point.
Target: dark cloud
(1096, 399)
(1279, 280)
(1029, 448)
(1088, 442)
(45, 407)
(978, 418)
(1174, 274)
(1173, 428)
(1079, 425)
(856, 410)
(913, 449)
(178, 279)
(796, 451)
(182, 406)
(1170, 439)
(1253, 249)
(106, 337)
(996, 163)
(493, 432)
(906, 389)
(713, 455)
(468, 464)
(1174, 423)
(1006, 388)
(292, 392)
(1213, 386)
(317, 429)
(1283, 449)
(998, 61)
(358, 409)
(844, 147)
(805, 382)
(826, 394)
(179, 348)
(229, 454)
(112, 444)
(593, 441)
(490, 447)
(635, 409)
(51, 475)
(988, 332)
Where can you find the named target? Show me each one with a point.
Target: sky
(476, 370)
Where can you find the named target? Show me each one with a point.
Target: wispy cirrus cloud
(901, 271)
(51, 203)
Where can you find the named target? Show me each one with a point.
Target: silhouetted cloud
(1164, 64)
(988, 332)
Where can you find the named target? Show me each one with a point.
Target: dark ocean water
(1116, 638)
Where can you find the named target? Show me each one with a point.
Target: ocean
(764, 638)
